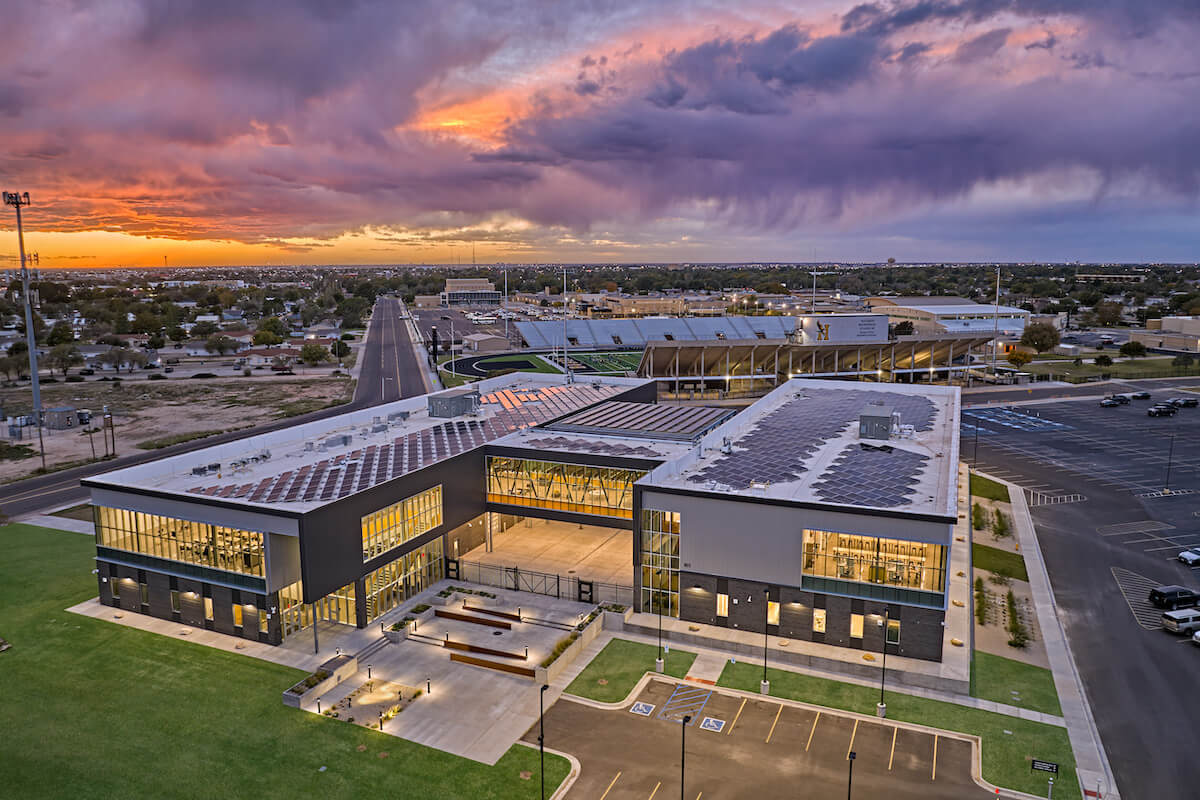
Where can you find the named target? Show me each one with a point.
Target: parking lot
(448, 319)
(749, 747)
(1094, 478)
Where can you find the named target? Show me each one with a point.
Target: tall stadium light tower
(16, 200)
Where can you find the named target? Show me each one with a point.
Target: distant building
(60, 419)
(953, 314)
(1170, 333)
(484, 343)
(428, 301)
(470, 291)
(1111, 278)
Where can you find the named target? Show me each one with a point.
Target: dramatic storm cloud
(593, 129)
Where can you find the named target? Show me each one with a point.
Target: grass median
(988, 488)
(95, 709)
(997, 678)
(1009, 743)
(1000, 562)
(620, 665)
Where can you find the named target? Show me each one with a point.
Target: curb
(572, 776)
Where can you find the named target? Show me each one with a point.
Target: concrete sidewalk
(1091, 762)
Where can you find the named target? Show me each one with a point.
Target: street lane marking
(614, 783)
(736, 717)
(773, 724)
(853, 733)
(814, 730)
(893, 754)
(656, 786)
(933, 776)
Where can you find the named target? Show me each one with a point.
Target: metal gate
(544, 583)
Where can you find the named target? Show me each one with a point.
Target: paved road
(1103, 553)
(753, 749)
(1020, 394)
(389, 372)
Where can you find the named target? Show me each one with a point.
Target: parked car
(169, 369)
(1140, 395)
(1196, 638)
(87, 371)
(1161, 411)
(1184, 621)
(1189, 402)
(1173, 597)
(1109, 402)
(1190, 557)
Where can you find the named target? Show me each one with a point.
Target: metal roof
(644, 420)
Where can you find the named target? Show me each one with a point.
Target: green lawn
(93, 709)
(621, 664)
(1001, 562)
(517, 362)
(1008, 742)
(1131, 368)
(988, 488)
(996, 678)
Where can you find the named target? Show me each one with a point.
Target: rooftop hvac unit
(378, 427)
(309, 447)
(875, 421)
(398, 416)
(199, 470)
(726, 446)
(376, 420)
(214, 467)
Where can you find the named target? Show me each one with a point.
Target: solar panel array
(778, 445)
(636, 332)
(584, 445)
(338, 476)
(868, 476)
(683, 423)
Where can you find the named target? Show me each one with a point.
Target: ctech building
(817, 513)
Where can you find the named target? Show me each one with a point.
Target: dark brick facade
(920, 628)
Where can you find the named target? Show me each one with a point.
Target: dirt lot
(157, 413)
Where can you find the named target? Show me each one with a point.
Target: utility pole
(506, 304)
(16, 200)
(566, 365)
(996, 324)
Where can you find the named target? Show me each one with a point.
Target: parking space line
(736, 717)
(892, 755)
(933, 775)
(816, 719)
(773, 724)
(853, 733)
(614, 783)
(656, 788)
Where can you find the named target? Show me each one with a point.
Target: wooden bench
(491, 623)
(513, 669)
(494, 613)
(486, 651)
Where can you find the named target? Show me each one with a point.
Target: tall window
(577, 488)
(393, 526)
(214, 546)
(869, 566)
(660, 562)
(396, 581)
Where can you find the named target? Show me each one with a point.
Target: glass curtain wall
(174, 539)
(391, 527)
(295, 614)
(660, 562)
(602, 491)
(870, 566)
(396, 581)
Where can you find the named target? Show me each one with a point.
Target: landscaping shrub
(559, 648)
(978, 518)
(1019, 637)
(310, 682)
(74, 379)
(158, 376)
(420, 608)
(981, 602)
(1001, 527)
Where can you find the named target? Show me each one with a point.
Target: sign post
(1045, 766)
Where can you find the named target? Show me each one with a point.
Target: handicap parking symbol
(642, 709)
(712, 724)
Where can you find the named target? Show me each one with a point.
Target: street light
(1170, 456)
(683, 751)
(850, 777)
(881, 707)
(658, 662)
(542, 735)
(765, 686)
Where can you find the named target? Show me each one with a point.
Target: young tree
(177, 334)
(273, 325)
(202, 329)
(155, 342)
(1102, 361)
(1182, 360)
(64, 356)
(268, 338)
(1133, 349)
(313, 354)
(1040, 336)
(1019, 358)
(220, 344)
(61, 333)
(340, 349)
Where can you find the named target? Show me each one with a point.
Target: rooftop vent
(453, 403)
(875, 421)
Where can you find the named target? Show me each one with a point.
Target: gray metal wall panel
(246, 519)
(283, 561)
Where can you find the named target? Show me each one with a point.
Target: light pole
(658, 662)
(542, 735)
(765, 686)
(881, 707)
(16, 200)
(1170, 456)
(850, 776)
(683, 752)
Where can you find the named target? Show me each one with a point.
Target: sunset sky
(242, 132)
